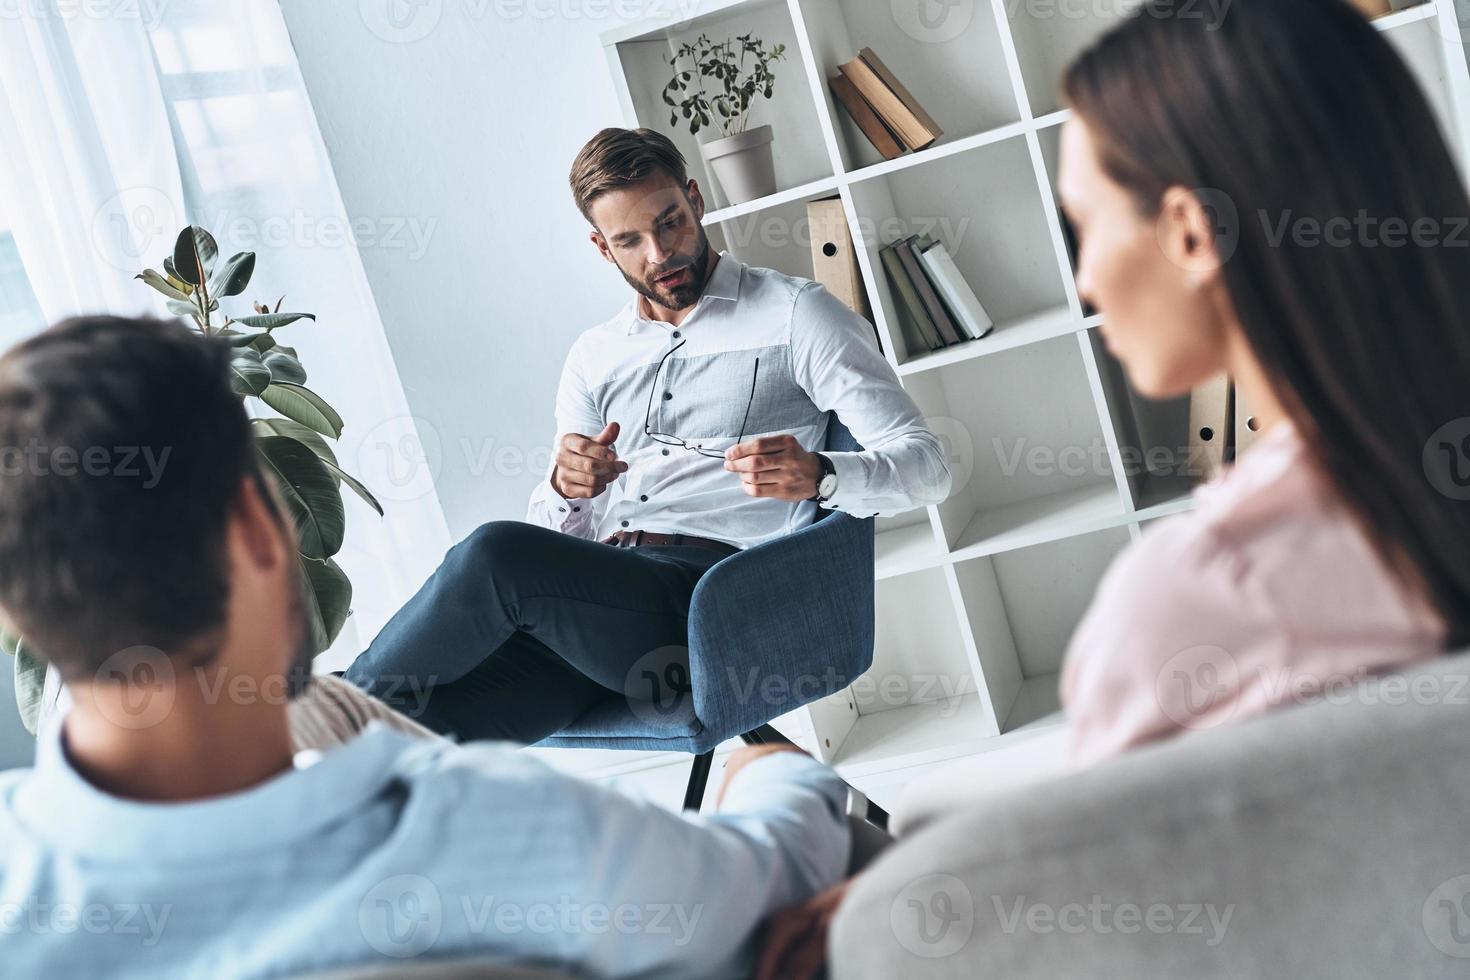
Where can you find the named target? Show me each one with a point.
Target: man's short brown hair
(616, 158)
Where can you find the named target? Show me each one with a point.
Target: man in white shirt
(688, 428)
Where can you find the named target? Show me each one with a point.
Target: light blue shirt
(391, 847)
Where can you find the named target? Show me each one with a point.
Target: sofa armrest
(782, 624)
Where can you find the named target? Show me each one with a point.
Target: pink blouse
(1266, 594)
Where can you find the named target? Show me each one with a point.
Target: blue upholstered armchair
(771, 628)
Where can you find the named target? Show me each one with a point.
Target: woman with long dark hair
(1261, 189)
(1268, 193)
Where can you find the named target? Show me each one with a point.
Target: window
(20, 314)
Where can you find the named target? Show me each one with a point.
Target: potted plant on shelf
(291, 443)
(739, 71)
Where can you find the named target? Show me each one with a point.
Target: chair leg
(764, 735)
(877, 816)
(698, 780)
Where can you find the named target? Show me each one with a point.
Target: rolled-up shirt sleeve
(835, 360)
(575, 412)
(780, 836)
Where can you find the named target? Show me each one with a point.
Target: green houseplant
(714, 85)
(293, 428)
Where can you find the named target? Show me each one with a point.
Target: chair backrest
(1325, 840)
(839, 439)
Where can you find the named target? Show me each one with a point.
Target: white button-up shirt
(695, 381)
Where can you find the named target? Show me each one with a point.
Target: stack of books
(937, 307)
(891, 118)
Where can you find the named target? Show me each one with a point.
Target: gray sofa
(1330, 839)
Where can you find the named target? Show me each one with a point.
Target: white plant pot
(742, 164)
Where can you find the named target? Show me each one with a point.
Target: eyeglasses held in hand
(668, 438)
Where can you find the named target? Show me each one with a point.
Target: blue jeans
(523, 628)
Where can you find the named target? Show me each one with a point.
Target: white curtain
(117, 130)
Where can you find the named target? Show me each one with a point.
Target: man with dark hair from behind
(167, 830)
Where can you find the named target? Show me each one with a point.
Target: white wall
(463, 122)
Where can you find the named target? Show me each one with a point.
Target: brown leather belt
(635, 539)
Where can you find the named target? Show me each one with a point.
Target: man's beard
(681, 296)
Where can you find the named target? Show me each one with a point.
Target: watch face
(828, 486)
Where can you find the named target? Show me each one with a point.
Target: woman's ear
(1190, 233)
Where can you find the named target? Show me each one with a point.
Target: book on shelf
(834, 260)
(963, 305)
(1211, 417)
(893, 103)
(1246, 424)
(1373, 8)
(918, 329)
(873, 127)
(943, 325)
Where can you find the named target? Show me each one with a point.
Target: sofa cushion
(1328, 839)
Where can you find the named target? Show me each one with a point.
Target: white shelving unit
(977, 597)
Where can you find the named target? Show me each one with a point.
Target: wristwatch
(827, 482)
